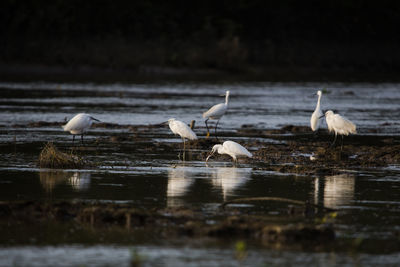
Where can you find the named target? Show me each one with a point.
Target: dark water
(368, 199)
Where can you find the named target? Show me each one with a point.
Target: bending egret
(79, 124)
(181, 129)
(340, 125)
(231, 148)
(216, 112)
(317, 114)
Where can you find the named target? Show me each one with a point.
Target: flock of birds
(338, 124)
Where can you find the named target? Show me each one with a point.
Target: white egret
(79, 124)
(316, 119)
(339, 124)
(216, 112)
(231, 148)
(181, 129)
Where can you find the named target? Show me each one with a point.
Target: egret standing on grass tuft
(79, 124)
(231, 148)
(317, 115)
(216, 112)
(340, 125)
(181, 129)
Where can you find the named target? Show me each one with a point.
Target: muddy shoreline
(290, 149)
(169, 222)
(300, 229)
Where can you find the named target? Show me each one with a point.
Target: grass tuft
(51, 157)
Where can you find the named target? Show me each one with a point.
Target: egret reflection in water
(77, 180)
(80, 180)
(334, 191)
(180, 178)
(229, 179)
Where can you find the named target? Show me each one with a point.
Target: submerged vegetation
(170, 222)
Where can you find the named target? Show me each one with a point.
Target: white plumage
(338, 124)
(216, 112)
(231, 148)
(181, 129)
(79, 124)
(316, 117)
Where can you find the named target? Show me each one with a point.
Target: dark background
(286, 40)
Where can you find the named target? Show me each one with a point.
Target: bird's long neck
(319, 102)
(226, 99)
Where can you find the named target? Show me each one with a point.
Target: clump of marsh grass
(51, 157)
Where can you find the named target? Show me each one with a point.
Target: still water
(368, 199)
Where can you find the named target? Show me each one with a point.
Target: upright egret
(316, 119)
(231, 148)
(216, 112)
(340, 125)
(79, 124)
(181, 129)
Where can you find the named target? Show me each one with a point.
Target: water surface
(368, 199)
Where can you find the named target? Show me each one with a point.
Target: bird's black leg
(180, 149)
(184, 149)
(216, 126)
(334, 140)
(73, 139)
(341, 147)
(208, 131)
(82, 138)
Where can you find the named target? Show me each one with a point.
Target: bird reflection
(51, 179)
(179, 181)
(230, 178)
(80, 181)
(336, 190)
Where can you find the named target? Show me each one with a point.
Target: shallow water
(178, 256)
(368, 199)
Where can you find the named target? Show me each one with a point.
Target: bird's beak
(209, 155)
(95, 119)
(163, 123)
(323, 114)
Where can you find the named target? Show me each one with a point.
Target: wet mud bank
(302, 152)
(165, 223)
(35, 222)
(291, 149)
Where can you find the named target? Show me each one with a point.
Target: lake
(367, 199)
